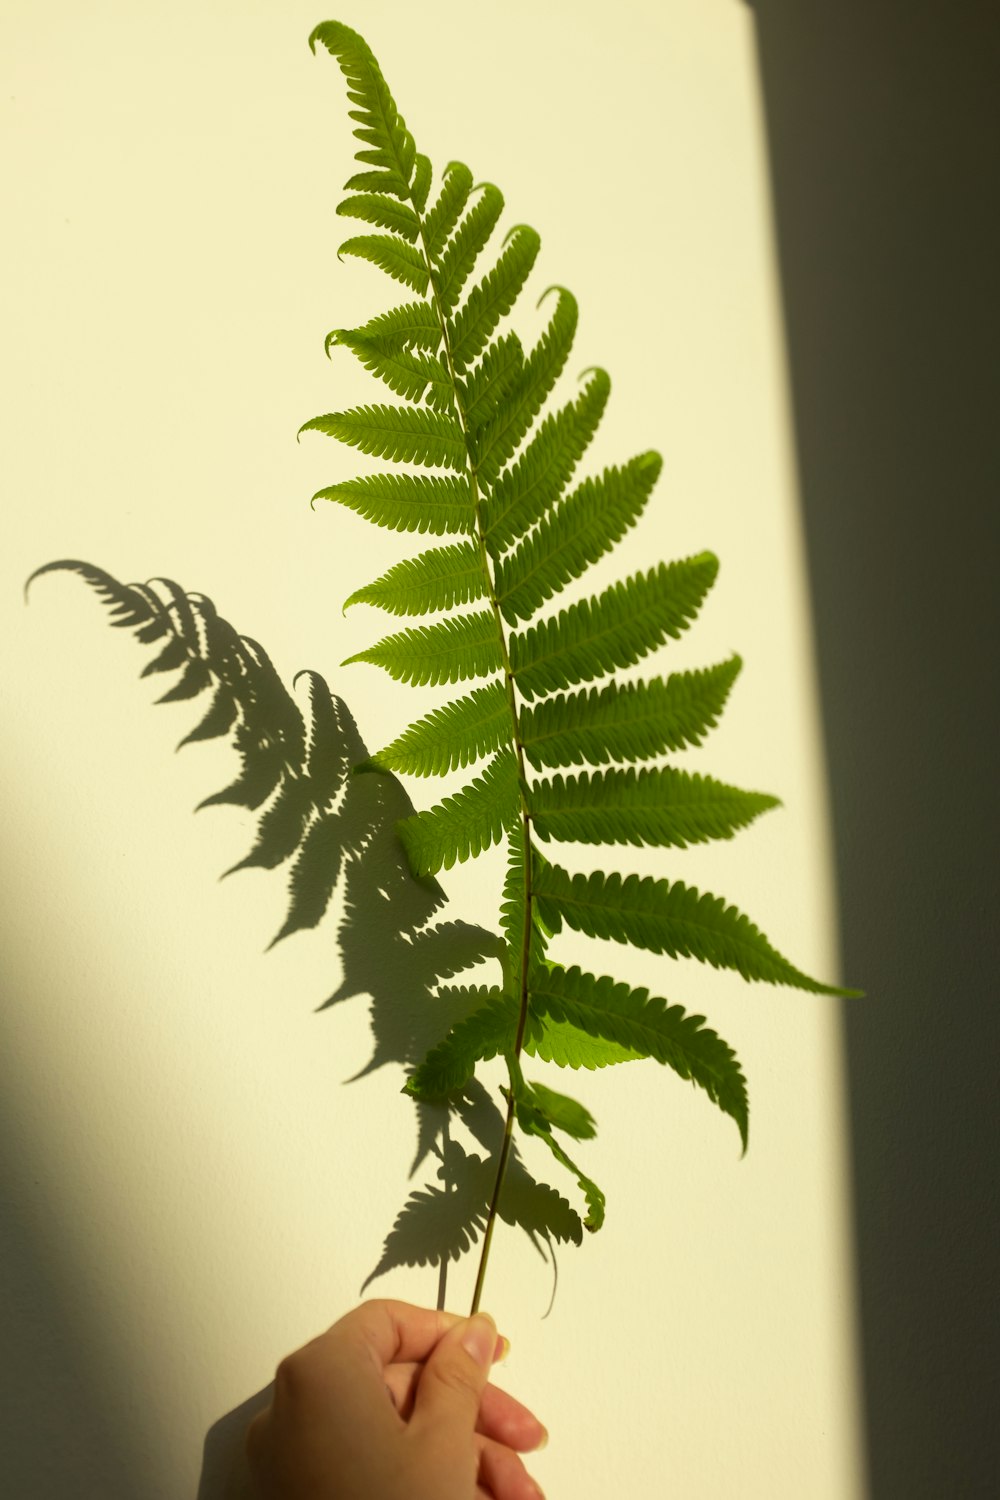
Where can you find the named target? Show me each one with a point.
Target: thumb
(454, 1378)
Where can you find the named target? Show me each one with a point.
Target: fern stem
(508, 1135)
(508, 1138)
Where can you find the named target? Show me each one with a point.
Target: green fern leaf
(378, 183)
(526, 490)
(573, 535)
(491, 381)
(462, 250)
(613, 630)
(533, 1121)
(440, 504)
(628, 720)
(659, 807)
(400, 433)
(456, 188)
(392, 255)
(421, 181)
(450, 651)
(567, 1046)
(652, 1027)
(494, 446)
(665, 917)
(386, 213)
(465, 824)
(456, 735)
(512, 914)
(488, 1032)
(412, 325)
(494, 296)
(406, 373)
(559, 1110)
(433, 580)
(380, 120)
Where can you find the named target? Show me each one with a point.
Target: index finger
(373, 1336)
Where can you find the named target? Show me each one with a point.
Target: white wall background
(190, 1192)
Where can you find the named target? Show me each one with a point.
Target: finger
(402, 1378)
(448, 1393)
(503, 1475)
(505, 1420)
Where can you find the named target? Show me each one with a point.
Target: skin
(394, 1403)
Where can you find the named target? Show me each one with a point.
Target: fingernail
(544, 1440)
(502, 1350)
(480, 1338)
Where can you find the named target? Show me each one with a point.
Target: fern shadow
(331, 827)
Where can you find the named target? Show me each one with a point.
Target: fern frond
(455, 735)
(412, 325)
(512, 914)
(378, 183)
(380, 122)
(574, 534)
(462, 251)
(386, 213)
(613, 630)
(395, 256)
(465, 824)
(491, 381)
(628, 720)
(559, 1110)
(525, 491)
(534, 1121)
(660, 807)
(456, 189)
(449, 651)
(441, 504)
(564, 1044)
(665, 917)
(421, 181)
(432, 580)
(652, 1027)
(401, 433)
(404, 372)
(493, 297)
(488, 1032)
(494, 446)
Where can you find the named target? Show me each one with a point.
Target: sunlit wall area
(195, 1188)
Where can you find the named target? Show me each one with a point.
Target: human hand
(442, 1432)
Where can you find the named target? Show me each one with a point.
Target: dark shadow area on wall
(322, 826)
(59, 1426)
(883, 127)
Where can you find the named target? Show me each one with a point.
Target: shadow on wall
(51, 1371)
(330, 824)
(882, 125)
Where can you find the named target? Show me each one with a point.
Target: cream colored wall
(197, 1191)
